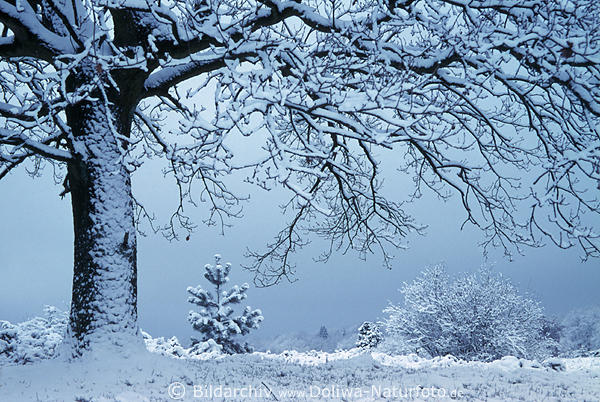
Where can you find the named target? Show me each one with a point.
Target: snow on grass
(168, 371)
(344, 375)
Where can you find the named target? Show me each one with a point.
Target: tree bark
(104, 299)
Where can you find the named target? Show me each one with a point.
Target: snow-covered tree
(216, 319)
(478, 316)
(369, 335)
(496, 101)
(551, 330)
(323, 334)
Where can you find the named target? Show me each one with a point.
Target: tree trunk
(104, 298)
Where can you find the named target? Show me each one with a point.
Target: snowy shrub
(209, 346)
(169, 347)
(172, 348)
(551, 330)
(8, 339)
(32, 340)
(580, 332)
(478, 316)
(215, 320)
(369, 335)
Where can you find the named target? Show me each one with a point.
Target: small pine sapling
(323, 332)
(215, 319)
(369, 335)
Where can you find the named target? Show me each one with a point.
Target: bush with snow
(478, 316)
(39, 339)
(32, 340)
(172, 347)
(165, 347)
(580, 332)
(215, 320)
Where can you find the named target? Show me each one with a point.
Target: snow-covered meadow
(345, 375)
(354, 111)
(33, 368)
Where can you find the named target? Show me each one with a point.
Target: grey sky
(36, 258)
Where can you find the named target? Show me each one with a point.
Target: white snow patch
(293, 376)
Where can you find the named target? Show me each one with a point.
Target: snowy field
(347, 375)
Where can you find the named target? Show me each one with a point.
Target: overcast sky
(36, 258)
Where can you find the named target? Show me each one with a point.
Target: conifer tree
(369, 335)
(323, 332)
(216, 320)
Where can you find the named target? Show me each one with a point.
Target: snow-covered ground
(347, 375)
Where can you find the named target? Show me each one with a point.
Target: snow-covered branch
(31, 37)
(494, 101)
(15, 139)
